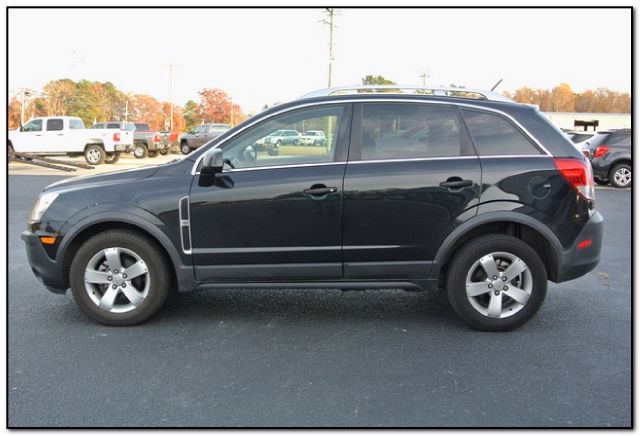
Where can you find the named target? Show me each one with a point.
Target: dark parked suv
(469, 192)
(610, 155)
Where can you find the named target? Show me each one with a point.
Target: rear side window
(76, 124)
(619, 139)
(140, 126)
(98, 126)
(54, 124)
(494, 135)
(402, 131)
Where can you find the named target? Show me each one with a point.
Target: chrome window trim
(267, 167)
(372, 100)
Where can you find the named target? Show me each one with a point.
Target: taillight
(116, 137)
(156, 138)
(578, 174)
(601, 150)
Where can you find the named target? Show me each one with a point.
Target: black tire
(315, 142)
(278, 143)
(296, 142)
(464, 260)
(158, 272)
(11, 152)
(94, 154)
(165, 151)
(152, 153)
(614, 179)
(184, 148)
(600, 181)
(140, 150)
(112, 158)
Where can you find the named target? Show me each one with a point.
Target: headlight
(42, 204)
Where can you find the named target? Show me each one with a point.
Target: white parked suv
(313, 137)
(68, 136)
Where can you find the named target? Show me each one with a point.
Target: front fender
(137, 217)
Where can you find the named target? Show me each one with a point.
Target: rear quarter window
(113, 126)
(494, 135)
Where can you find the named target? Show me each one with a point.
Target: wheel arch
(528, 229)
(181, 274)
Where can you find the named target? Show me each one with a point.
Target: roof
(470, 93)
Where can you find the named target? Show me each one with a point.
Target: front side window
(261, 147)
(33, 126)
(401, 131)
(493, 135)
(54, 124)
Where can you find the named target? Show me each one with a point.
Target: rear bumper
(576, 262)
(122, 147)
(46, 270)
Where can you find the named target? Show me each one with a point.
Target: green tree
(191, 115)
(376, 80)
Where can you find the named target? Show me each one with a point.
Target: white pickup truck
(67, 135)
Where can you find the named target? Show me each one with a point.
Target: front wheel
(112, 158)
(184, 148)
(496, 282)
(621, 176)
(119, 278)
(165, 151)
(140, 151)
(94, 154)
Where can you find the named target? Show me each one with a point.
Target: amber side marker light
(48, 240)
(584, 244)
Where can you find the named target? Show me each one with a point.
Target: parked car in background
(610, 155)
(146, 142)
(313, 137)
(201, 135)
(489, 201)
(68, 135)
(170, 140)
(284, 137)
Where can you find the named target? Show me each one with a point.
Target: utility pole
(126, 110)
(171, 97)
(331, 23)
(424, 75)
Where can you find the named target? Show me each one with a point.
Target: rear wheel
(140, 150)
(184, 148)
(94, 154)
(620, 176)
(164, 152)
(496, 282)
(112, 158)
(119, 278)
(152, 153)
(11, 152)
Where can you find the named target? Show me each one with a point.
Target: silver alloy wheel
(94, 155)
(622, 176)
(499, 284)
(185, 149)
(117, 279)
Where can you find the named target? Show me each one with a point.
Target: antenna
(496, 85)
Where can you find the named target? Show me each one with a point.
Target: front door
(273, 218)
(30, 139)
(412, 172)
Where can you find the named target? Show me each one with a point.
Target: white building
(589, 121)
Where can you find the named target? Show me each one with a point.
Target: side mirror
(212, 162)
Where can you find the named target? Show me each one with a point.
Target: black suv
(610, 155)
(466, 191)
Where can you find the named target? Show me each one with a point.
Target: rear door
(412, 174)
(53, 136)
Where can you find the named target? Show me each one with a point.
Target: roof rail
(476, 94)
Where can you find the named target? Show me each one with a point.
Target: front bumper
(576, 262)
(46, 270)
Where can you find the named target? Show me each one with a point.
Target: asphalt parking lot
(322, 358)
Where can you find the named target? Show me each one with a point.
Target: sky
(263, 56)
